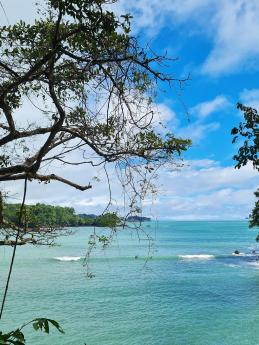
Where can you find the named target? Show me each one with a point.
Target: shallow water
(192, 290)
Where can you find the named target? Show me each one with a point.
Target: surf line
(67, 258)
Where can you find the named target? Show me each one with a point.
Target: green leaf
(35, 326)
(46, 326)
(56, 325)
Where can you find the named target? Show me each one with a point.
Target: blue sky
(216, 41)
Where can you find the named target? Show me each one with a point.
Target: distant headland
(44, 216)
(138, 219)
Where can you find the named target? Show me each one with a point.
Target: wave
(232, 265)
(241, 256)
(254, 263)
(197, 257)
(67, 258)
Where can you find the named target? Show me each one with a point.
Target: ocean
(182, 287)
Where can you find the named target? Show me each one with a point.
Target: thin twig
(14, 248)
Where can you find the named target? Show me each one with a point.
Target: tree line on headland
(42, 215)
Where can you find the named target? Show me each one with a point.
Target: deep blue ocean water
(191, 291)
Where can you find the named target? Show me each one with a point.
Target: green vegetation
(17, 337)
(48, 216)
(75, 58)
(95, 88)
(248, 132)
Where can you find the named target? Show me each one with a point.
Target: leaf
(56, 325)
(18, 335)
(35, 326)
(43, 325)
(46, 326)
(12, 338)
(234, 131)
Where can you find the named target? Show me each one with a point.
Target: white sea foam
(251, 248)
(232, 265)
(197, 257)
(255, 264)
(240, 254)
(68, 258)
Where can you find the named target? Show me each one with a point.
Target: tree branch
(45, 178)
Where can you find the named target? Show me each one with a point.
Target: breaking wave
(197, 257)
(67, 258)
(255, 264)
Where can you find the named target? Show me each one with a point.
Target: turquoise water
(209, 299)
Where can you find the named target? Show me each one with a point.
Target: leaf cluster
(248, 132)
(17, 337)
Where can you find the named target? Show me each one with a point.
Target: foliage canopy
(17, 337)
(91, 88)
(248, 131)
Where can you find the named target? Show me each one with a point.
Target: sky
(216, 43)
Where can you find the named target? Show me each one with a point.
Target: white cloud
(222, 204)
(199, 127)
(250, 98)
(199, 179)
(164, 117)
(152, 15)
(201, 163)
(213, 206)
(204, 109)
(206, 190)
(203, 189)
(197, 131)
(236, 37)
